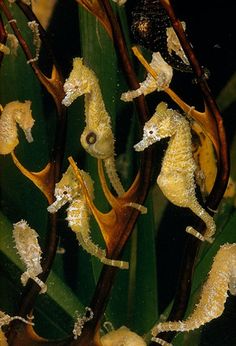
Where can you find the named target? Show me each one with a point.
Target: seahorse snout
(145, 143)
(28, 135)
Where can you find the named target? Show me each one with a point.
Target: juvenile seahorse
(30, 252)
(221, 278)
(150, 84)
(68, 190)
(176, 179)
(12, 114)
(97, 137)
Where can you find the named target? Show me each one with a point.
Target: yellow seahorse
(12, 114)
(68, 190)
(221, 278)
(176, 179)
(97, 137)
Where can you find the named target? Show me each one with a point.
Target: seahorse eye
(91, 138)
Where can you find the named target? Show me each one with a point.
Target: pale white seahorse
(173, 44)
(176, 179)
(221, 278)
(68, 190)
(30, 252)
(150, 84)
(97, 137)
(12, 114)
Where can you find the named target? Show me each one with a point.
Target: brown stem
(120, 45)
(3, 37)
(213, 200)
(32, 289)
(26, 9)
(54, 85)
(55, 88)
(223, 157)
(105, 282)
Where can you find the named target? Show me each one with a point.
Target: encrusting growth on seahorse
(221, 278)
(176, 179)
(12, 114)
(97, 137)
(150, 84)
(68, 190)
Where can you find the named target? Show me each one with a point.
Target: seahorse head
(162, 124)
(78, 83)
(99, 141)
(65, 190)
(69, 188)
(23, 116)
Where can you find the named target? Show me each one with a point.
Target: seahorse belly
(177, 189)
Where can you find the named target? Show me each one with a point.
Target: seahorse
(221, 278)
(12, 114)
(97, 137)
(176, 179)
(30, 252)
(150, 84)
(68, 190)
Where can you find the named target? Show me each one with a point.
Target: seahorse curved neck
(95, 111)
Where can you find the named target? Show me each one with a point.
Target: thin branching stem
(54, 85)
(214, 198)
(223, 160)
(55, 88)
(3, 37)
(106, 279)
